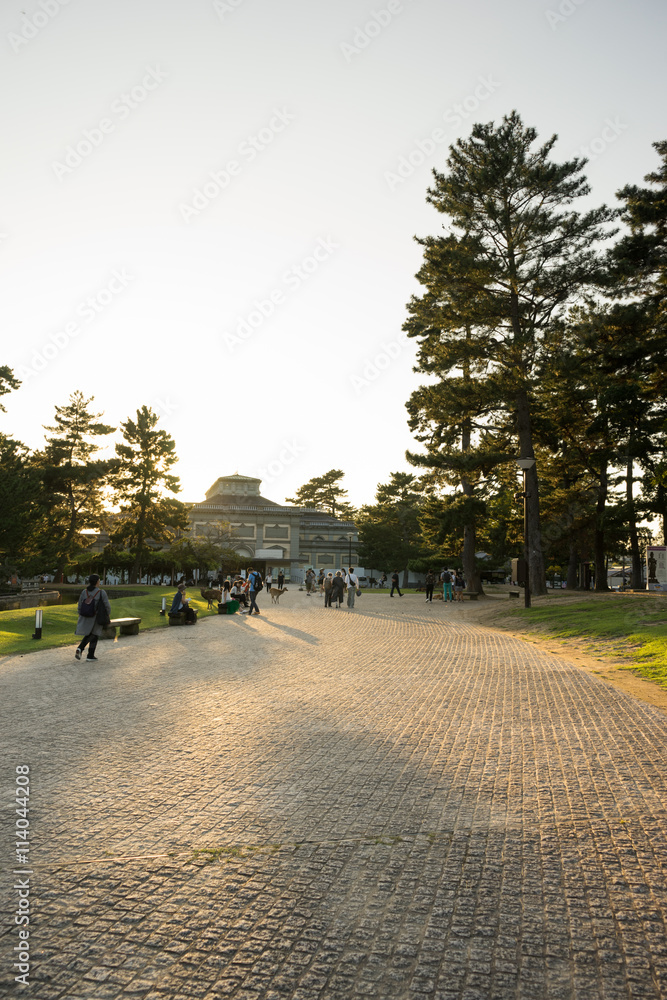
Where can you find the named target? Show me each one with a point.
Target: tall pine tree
(74, 478)
(141, 481)
(516, 257)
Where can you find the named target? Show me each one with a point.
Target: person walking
(328, 584)
(394, 584)
(337, 588)
(94, 613)
(254, 587)
(430, 584)
(352, 581)
(268, 582)
(447, 593)
(281, 579)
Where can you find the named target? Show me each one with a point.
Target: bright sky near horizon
(209, 205)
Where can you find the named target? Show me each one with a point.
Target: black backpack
(256, 581)
(88, 609)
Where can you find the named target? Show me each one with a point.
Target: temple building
(275, 536)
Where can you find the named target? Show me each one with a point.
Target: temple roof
(235, 485)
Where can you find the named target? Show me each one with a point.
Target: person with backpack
(254, 587)
(94, 613)
(447, 592)
(394, 584)
(430, 584)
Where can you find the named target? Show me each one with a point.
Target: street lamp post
(349, 548)
(525, 464)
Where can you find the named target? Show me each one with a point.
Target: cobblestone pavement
(393, 802)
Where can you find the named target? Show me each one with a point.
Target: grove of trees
(57, 499)
(541, 338)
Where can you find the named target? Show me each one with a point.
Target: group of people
(334, 586)
(95, 611)
(245, 591)
(452, 582)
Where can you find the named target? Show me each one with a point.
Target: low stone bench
(127, 626)
(472, 594)
(178, 618)
(514, 593)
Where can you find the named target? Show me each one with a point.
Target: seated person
(230, 603)
(182, 603)
(238, 592)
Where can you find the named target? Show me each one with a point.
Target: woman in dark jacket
(337, 589)
(89, 611)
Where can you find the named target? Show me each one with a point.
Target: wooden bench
(127, 626)
(514, 593)
(30, 586)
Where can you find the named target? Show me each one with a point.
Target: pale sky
(209, 205)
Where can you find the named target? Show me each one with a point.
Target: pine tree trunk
(600, 554)
(632, 525)
(471, 576)
(572, 582)
(662, 510)
(538, 582)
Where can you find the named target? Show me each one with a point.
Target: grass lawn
(59, 621)
(632, 627)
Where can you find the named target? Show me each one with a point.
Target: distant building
(274, 536)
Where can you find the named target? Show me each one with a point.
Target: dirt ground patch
(617, 671)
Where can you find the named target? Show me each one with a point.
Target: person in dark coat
(89, 611)
(337, 589)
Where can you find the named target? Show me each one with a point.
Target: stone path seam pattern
(392, 802)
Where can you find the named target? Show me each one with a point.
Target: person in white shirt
(351, 582)
(268, 580)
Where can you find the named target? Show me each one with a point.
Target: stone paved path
(390, 803)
